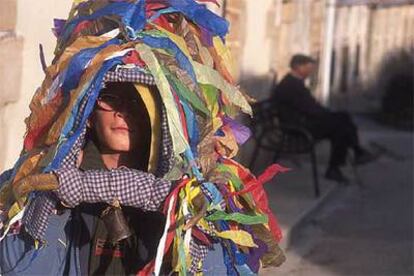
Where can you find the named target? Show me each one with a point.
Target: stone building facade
(11, 55)
(24, 24)
(367, 37)
(366, 33)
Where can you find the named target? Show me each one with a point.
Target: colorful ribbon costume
(177, 45)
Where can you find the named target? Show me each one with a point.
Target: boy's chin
(121, 147)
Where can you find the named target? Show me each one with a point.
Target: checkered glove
(129, 186)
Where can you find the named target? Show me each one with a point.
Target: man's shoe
(335, 174)
(364, 157)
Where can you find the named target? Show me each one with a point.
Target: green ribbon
(188, 95)
(238, 217)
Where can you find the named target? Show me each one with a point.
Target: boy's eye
(111, 102)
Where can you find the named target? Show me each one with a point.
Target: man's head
(120, 121)
(302, 66)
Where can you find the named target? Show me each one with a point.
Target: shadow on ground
(358, 230)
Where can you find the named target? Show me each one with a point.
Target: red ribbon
(255, 187)
(254, 183)
(133, 58)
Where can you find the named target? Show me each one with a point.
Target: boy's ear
(89, 122)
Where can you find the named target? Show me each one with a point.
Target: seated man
(297, 104)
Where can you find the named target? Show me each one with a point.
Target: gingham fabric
(198, 253)
(131, 187)
(36, 217)
(42, 206)
(166, 156)
(129, 75)
(207, 193)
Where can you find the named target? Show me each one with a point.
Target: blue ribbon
(5, 176)
(168, 45)
(196, 172)
(201, 16)
(94, 89)
(137, 19)
(212, 189)
(229, 249)
(131, 14)
(121, 9)
(192, 127)
(161, 12)
(77, 65)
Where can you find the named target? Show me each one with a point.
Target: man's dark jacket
(295, 101)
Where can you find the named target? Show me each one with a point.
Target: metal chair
(270, 133)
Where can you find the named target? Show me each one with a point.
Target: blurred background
(365, 54)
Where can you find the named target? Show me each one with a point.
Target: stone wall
(264, 38)
(24, 25)
(236, 14)
(276, 30)
(8, 15)
(366, 36)
(11, 49)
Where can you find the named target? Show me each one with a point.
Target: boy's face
(117, 119)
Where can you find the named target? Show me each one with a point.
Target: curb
(290, 233)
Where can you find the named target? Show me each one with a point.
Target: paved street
(362, 230)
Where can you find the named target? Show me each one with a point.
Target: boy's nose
(125, 108)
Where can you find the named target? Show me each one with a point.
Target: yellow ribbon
(180, 144)
(151, 103)
(224, 52)
(207, 75)
(239, 237)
